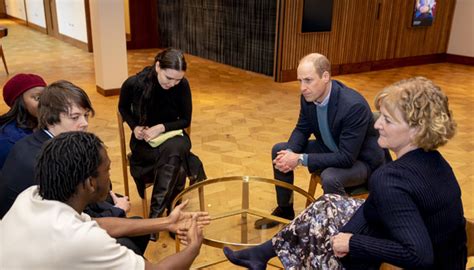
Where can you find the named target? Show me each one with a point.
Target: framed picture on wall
(424, 13)
(316, 16)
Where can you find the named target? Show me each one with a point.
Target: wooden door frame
(51, 18)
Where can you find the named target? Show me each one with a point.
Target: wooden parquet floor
(238, 115)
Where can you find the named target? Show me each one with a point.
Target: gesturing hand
(191, 235)
(180, 221)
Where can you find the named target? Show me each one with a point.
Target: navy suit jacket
(351, 124)
(18, 174)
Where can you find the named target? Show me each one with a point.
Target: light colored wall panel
(35, 10)
(16, 8)
(72, 19)
(461, 40)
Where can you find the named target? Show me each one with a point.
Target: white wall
(72, 19)
(16, 8)
(35, 10)
(108, 39)
(461, 39)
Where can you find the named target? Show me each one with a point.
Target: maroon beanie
(18, 85)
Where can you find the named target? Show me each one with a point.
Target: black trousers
(136, 243)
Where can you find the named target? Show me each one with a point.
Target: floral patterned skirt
(305, 242)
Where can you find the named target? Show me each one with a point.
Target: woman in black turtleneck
(155, 101)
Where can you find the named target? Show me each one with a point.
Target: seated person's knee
(329, 181)
(278, 147)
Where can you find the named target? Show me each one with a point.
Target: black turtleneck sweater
(413, 217)
(170, 107)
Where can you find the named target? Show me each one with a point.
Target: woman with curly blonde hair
(413, 217)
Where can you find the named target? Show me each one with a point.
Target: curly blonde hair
(423, 106)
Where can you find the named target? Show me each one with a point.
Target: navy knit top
(413, 217)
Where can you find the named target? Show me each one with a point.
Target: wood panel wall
(365, 35)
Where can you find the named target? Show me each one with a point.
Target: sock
(252, 258)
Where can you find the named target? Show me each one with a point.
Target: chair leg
(470, 237)
(145, 205)
(3, 59)
(202, 204)
(313, 182)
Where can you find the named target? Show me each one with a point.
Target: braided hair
(67, 161)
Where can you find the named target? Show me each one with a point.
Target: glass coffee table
(234, 204)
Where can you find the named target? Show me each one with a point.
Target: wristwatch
(300, 160)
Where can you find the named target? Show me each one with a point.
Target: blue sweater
(413, 217)
(10, 133)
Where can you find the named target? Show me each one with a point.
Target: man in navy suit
(345, 151)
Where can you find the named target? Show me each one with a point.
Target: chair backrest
(123, 150)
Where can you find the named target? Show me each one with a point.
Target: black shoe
(141, 188)
(154, 237)
(283, 212)
(172, 235)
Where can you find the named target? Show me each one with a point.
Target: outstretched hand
(180, 221)
(191, 235)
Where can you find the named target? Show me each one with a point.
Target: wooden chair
(3, 33)
(357, 192)
(126, 163)
(470, 238)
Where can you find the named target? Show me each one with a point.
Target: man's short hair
(67, 161)
(59, 97)
(320, 63)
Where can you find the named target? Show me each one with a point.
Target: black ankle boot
(140, 187)
(154, 237)
(162, 189)
(281, 211)
(179, 186)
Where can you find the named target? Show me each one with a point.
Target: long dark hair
(170, 58)
(20, 114)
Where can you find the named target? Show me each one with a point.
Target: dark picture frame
(424, 13)
(316, 16)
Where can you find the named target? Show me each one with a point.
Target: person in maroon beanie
(21, 93)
